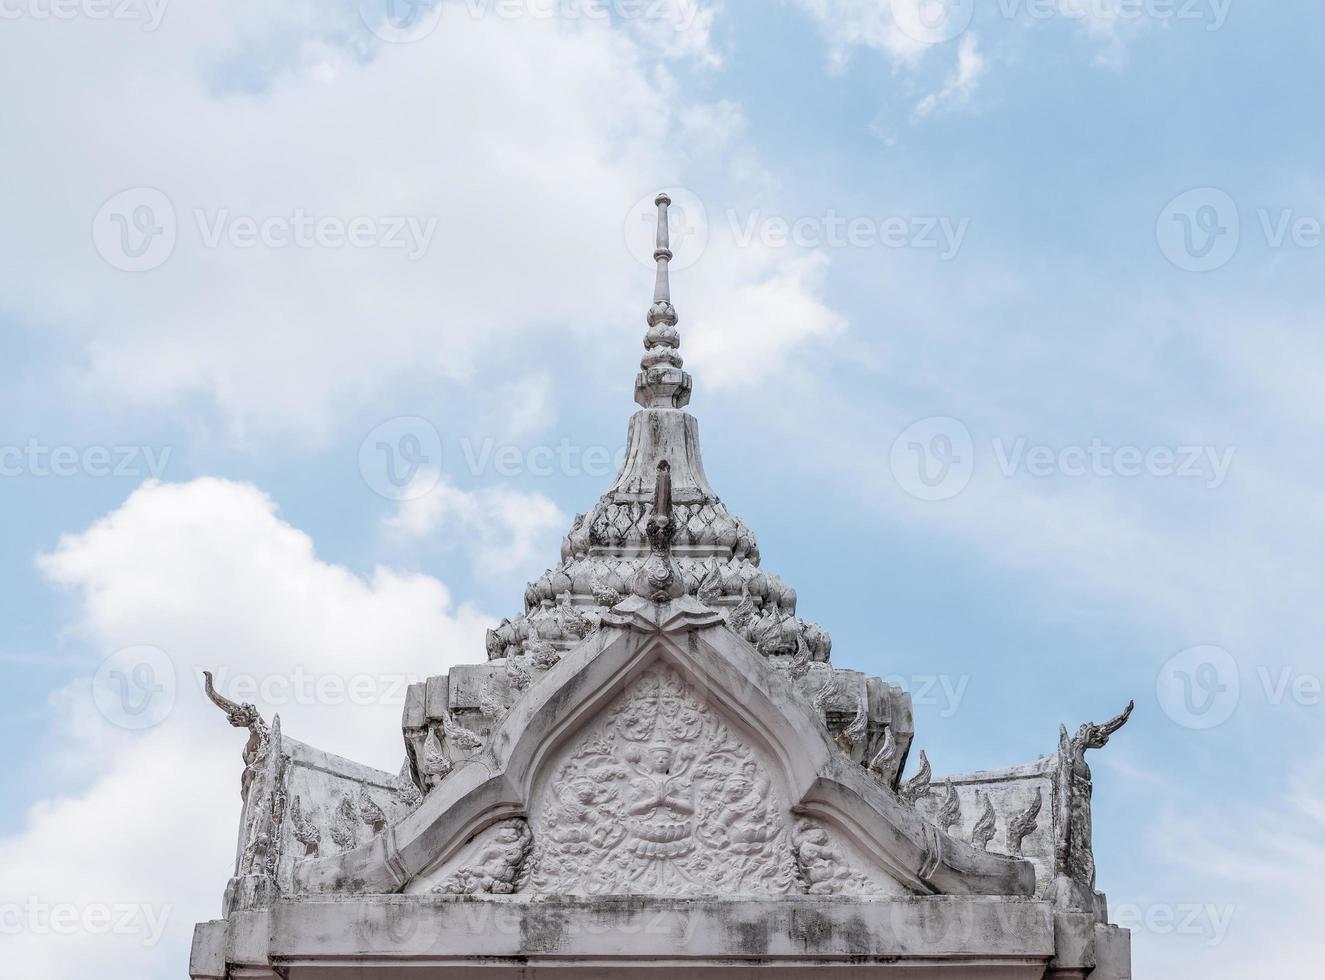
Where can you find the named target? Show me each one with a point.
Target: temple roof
(716, 550)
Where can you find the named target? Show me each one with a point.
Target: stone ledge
(821, 930)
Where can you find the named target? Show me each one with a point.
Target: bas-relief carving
(495, 863)
(658, 796)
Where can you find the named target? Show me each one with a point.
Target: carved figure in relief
(498, 864)
(658, 797)
(739, 815)
(820, 864)
(663, 807)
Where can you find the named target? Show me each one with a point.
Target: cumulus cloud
(347, 213)
(208, 573)
(501, 529)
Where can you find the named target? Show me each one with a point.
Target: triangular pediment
(663, 762)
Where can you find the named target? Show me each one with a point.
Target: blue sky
(1085, 256)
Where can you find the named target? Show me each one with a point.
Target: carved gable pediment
(657, 795)
(663, 764)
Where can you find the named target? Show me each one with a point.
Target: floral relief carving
(659, 797)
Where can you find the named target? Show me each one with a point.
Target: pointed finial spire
(661, 382)
(662, 310)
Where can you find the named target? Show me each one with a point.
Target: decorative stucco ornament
(918, 785)
(983, 831)
(542, 654)
(659, 578)
(405, 789)
(854, 734)
(1023, 823)
(306, 830)
(886, 756)
(370, 813)
(459, 736)
(950, 813)
(1075, 851)
(243, 716)
(343, 825)
(437, 765)
(516, 673)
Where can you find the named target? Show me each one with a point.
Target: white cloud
(207, 572)
(501, 529)
(961, 84)
(754, 326)
(526, 139)
(850, 24)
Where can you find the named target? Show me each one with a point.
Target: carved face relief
(658, 797)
